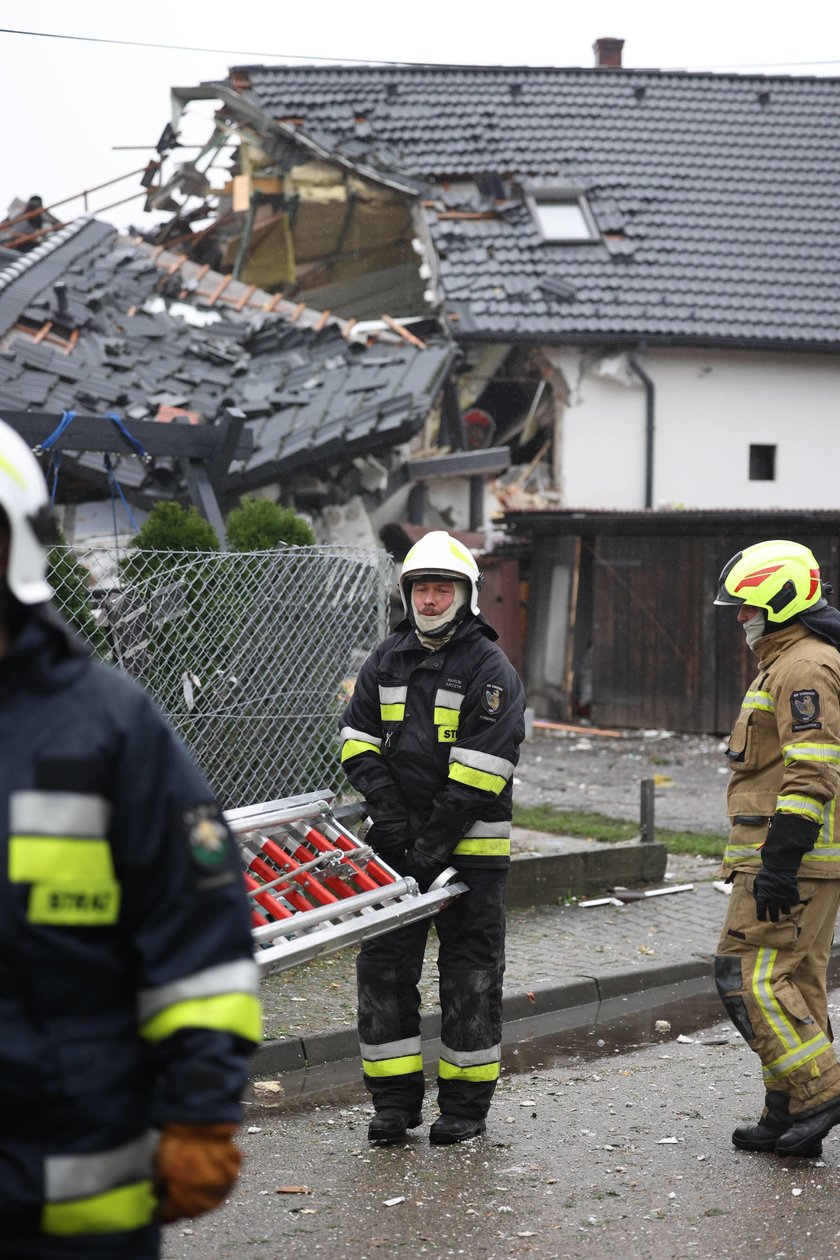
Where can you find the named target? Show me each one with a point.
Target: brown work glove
(196, 1166)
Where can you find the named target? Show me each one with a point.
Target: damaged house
(639, 269)
(98, 324)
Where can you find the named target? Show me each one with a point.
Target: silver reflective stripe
(58, 814)
(448, 699)
(470, 1058)
(489, 830)
(79, 1176)
(233, 977)
(349, 732)
(392, 695)
(390, 1049)
(482, 761)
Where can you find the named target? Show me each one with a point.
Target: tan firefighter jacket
(784, 750)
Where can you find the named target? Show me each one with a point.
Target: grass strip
(593, 826)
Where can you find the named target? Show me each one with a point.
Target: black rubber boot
(447, 1130)
(391, 1125)
(774, 1123)
(804, 1137)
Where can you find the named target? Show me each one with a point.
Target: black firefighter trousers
(471, 964)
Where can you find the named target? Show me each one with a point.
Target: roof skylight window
(562, 214)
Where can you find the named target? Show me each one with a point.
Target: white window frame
(562, 196)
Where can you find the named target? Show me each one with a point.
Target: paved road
(594, 1149)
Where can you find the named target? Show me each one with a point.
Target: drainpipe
(649, 426)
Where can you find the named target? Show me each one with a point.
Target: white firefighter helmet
(438, 554)
(26, 503)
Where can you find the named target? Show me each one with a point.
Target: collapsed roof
(94, 322)
(690, 208)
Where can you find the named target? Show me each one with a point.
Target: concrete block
(551, 878)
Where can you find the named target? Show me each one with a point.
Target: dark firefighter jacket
(128, 990)
(440, 733)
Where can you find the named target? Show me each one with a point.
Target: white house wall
(710, 407)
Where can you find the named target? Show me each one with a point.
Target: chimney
(608, 53)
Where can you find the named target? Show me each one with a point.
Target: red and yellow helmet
(780, 576)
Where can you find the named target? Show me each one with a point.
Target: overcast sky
(75, 108)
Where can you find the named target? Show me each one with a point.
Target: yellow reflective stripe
(805, 1052)
(59, 860)
(823, 853)
(400, 1066)
(446, 717)
(762, 988)
(477, 1072)
(759, 700)
(238, 1013)
(127, 1207)
(742, 852)
(811, 752)
(808, 806)
(354, 747)
(392, 712)
(65, 905)
(476, 778)
(485, 847)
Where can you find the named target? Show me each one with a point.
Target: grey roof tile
(300, 385)
(721, 188)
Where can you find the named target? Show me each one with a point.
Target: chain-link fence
(251, 655)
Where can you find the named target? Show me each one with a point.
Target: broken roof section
(707, 200)
(93, 322)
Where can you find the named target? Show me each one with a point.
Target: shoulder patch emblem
(207, 836)
(805, 706)
(493, 698)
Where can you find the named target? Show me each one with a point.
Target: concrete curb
(582, 994)
(551, 878)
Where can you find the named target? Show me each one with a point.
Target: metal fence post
(646, 818)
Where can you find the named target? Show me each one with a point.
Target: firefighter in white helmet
(783, 854)
(431, 737)
(128, 987)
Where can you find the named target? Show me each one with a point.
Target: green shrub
(171, 527)
(260, 525)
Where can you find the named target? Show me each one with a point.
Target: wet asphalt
(606, 1140)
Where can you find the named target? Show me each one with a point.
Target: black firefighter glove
(423, 866)
(776, 890)
(389, 839)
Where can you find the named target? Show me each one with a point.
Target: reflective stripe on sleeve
(762, 700)
(356, 742)
(224, 998)
(482, 846)
(104, 1192)
(479, 770)
(811, 752)
(807, 806)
